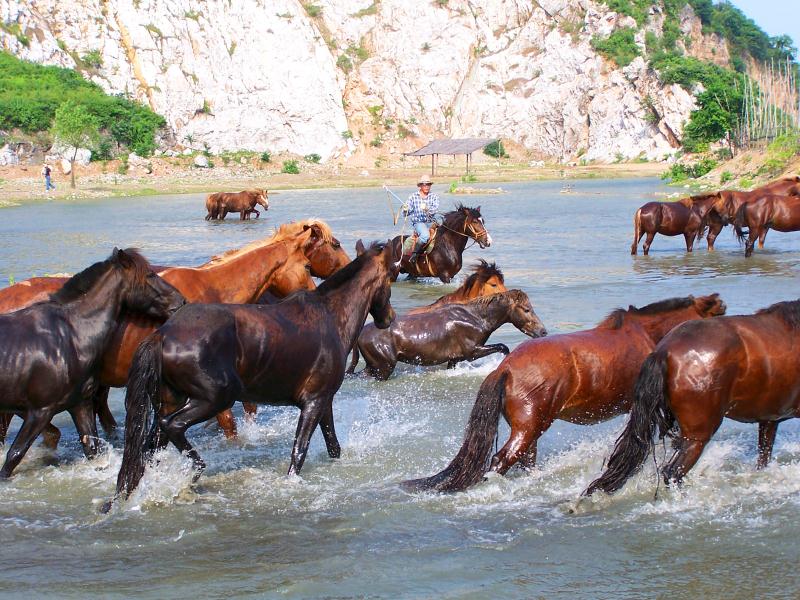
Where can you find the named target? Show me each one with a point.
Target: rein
(473, 237)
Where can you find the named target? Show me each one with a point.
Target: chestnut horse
(781, 213)
(584, 377)
(740, 367)
(49, 352)
(220, 204)
(293, 353)
(485, 279)
(280, 264)
(684, 217)
(444, 259)
(448, 333)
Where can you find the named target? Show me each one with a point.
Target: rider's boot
(417, 249)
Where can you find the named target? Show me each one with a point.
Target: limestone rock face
(334, 77)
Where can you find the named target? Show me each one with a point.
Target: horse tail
(354, 360)
(142, 403)
(471, 462)
(739, 221)
(649, 411)
(637, 230)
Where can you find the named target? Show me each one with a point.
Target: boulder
(8, 156)
(201, 161)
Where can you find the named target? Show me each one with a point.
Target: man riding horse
(420, 207)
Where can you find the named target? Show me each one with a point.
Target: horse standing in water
(292, 353)
(485, 279)
(219, 204)
(684, 217)
(584, 377)
(444, 259)
(280, 265)
(740, 367)
(49, 352)
(781, 213)
(448, 333)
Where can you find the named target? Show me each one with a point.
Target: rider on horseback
(421, 206)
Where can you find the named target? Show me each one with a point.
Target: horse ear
(316, 231)
(360, 249)
(123, 259)
(478, 208)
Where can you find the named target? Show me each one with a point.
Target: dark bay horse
(584, 377)
(781, 213)
(684, 217)
(293, 353)
(444, 260)
(744, 368)
(220, 204)
(448, 333)
(49, 351)
(280, 264)
(484, 280)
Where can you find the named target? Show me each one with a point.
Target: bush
(313, 158)
(266, 157)
(619, 47)
(678, 172)
(495, 149)
(291, 167)
(725, 177)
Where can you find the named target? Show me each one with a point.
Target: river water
(343, 528)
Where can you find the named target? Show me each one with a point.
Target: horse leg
(227, 421)
(170, 403)
(766, 438)
(33, 424)
(83, 416)
(193, 412)
(750, 242)
(525, 432)
(481, 351)
(5, 420)
(647, 242)
(250, 411)
(689, 452)
(51, 436)
(107, 420)
(761, 237)
(713, 232)
(689, 237)
(310, 415)
(329, 432)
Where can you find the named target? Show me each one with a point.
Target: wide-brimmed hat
(424, 179)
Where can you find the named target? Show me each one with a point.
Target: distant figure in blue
(46, 171)
(421, 206)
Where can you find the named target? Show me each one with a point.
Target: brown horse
(292, 353)
(49, 352)
(781, 213)
(220, 204)
(684, 217)
(280, 264)
(584, 377)
(740, 367)
(448, 333)
(485, 279)
(444, 259)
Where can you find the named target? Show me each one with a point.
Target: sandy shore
(23, 183)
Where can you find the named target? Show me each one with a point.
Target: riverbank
(21, 184)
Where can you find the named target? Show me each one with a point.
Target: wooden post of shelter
(455, 147)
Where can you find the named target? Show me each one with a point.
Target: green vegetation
(265, 157)
(313, 158)
(313, 10)
(291, 167)
(93, 59)
(372, 9)
(619, 46)
(725, 177)
(495, 149)
(15, 30)
(30, 94)
(75, 126)
(678, 173)
(780, 152)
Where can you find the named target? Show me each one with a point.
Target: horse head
(474, 225)
(323, 250)
(145, 291)
(295, 272)
(386, 264)
(262, 198)
(709, 306)
(485, 280)
(522, 316)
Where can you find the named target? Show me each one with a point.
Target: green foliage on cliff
(30, 94)
(619, 46)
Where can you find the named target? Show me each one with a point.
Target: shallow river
(344, 529)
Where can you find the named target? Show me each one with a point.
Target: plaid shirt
(415, 210)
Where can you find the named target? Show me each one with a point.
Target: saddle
(411, 241)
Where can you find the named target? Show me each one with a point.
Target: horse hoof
(105, 508)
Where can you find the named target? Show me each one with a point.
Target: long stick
(395, 217)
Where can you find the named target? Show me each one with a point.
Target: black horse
(291, 353)
(49, 352)
(446, 334)
(444, 260)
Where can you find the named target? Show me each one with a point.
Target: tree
(74, 126)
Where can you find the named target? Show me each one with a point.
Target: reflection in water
(345, 528)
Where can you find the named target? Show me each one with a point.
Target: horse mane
(347, 272)
(483, 271)
(281, 234)
(513, 295)
(616, 318)
(789, 311)
(82, 282)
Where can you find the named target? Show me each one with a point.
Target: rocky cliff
(342, 77)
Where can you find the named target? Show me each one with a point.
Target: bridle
(468, 226)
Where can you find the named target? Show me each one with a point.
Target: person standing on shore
(421, 206)
(46, 172)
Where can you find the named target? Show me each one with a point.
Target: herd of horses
(251, 325)
(775, 205)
